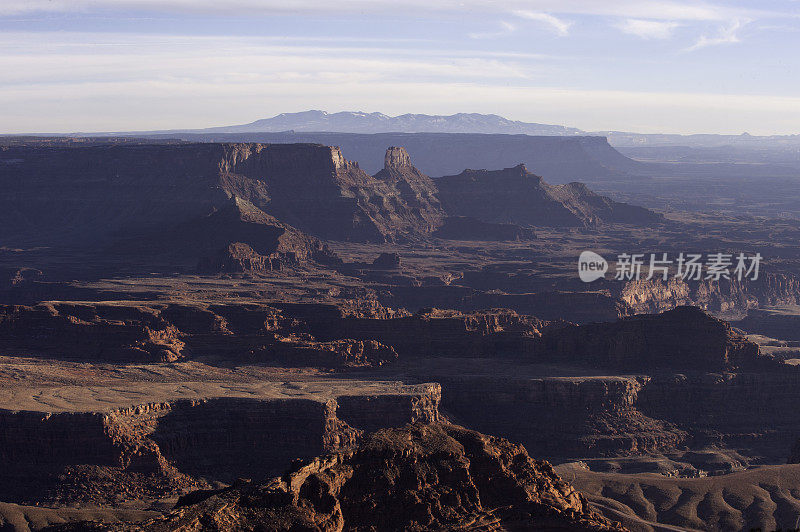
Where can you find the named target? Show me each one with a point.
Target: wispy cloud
(561, 27)
(55, 57)
(506, 29)
(727, 35)
(644, 9)
(648, 29)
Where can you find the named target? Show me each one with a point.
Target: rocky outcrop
(558, 159)
(414, 188)
(560, 417)
(435, 332)
(748, 411)
(115, 333)
(297, 351)
(317, 335)
(315, 189)
(643, 296)
(154, 333)
(396, 160)
(237, 258)
(131, 194)
(547, 304)
(420, 477)
(516, 196)
(594, 209)
(137, 198)
(154, 450)
(685, 339)
(512, 195)
(725, 295)
(242, 238)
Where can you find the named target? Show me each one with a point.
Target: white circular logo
(591, 266)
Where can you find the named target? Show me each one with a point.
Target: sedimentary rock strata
(107, 192)
(560, 417)
(144, 188)
(185, 436)
(117, 333)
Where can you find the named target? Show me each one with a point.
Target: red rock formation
(158, 449)
(416, 189)
(725, 295)
(514, 195)
(123, 334)
(754, 412)
(139, 191)
(293, 351)
(244, 238)
(433, 332)
(421, 477)
(140, 333)
(564, 418)
(683, 339)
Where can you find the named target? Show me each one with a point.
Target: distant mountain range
(359, 122)
(369, 123)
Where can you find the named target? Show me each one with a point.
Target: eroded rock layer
(420, 477)
(156, 449)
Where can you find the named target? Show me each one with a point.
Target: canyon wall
(560, 417)
(140, 196)
(557, 159)
(168, 446)
(105, 190)
(684, 338)
(569, 418)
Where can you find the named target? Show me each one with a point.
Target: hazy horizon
(359, 111)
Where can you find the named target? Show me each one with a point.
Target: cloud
(507, 29)
(648, 29)
(54, 58)
(561, 27)
(637, 9)
(727, 35)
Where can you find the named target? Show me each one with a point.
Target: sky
(629, 65)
